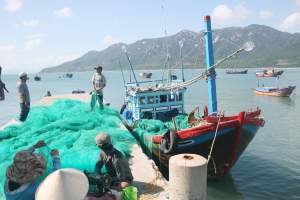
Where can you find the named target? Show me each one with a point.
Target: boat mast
(212, 94)
(181, 45)
(131, 68)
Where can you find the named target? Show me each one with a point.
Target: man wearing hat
(63, 184)
(2, 87)
(115, 163)
(99, 82)
(22, 176)
(24, 96)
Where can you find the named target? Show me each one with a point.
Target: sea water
(270, 166)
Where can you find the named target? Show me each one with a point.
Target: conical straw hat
(64, 184)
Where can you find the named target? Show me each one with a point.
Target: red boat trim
(236, 142)
(251, 118)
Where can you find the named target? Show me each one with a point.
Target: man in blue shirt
(22, 176)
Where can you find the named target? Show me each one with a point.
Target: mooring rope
(215, 136)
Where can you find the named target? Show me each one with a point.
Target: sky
(40, 33)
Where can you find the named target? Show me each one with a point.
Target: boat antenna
(181, 45)
(125, 51)
(122, 74)
(167, 63)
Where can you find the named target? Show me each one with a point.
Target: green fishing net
(67, 125)
(145, 129)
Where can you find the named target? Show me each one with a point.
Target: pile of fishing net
(67, 125)
(145, 129)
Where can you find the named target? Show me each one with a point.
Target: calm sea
(270, 166)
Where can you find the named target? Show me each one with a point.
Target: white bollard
(187, 177)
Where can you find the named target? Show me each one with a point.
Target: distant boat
(67, 75)
(78, 91)
(275, 91)
(145, 75)
(37, 78)
(237, 71)
(269, 72)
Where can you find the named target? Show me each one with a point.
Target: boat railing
(135, 84)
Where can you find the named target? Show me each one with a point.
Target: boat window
(156, 99)
(171, 97)
(151, 99)
(142, 100)
(179, 97)
(163, 98)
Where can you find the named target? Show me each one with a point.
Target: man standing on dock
(99, 82)
(24, 96)
(2, 87)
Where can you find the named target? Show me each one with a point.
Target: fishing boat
(269, 72)
(37, 78)
(275, 91)
(237, 71)
(67, 75)
(219, 138)
(145, 75)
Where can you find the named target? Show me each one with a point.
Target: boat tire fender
(169, 142)
(122, 109)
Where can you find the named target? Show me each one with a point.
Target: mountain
(273, 48)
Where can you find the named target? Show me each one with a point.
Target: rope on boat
(207, 73)
(215, 136)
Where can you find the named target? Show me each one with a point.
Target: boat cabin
(154, 103)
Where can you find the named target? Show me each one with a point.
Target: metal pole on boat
(122, 74)
(181, 45)
(212, 94)
(131, 68)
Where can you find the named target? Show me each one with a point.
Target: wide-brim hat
(63, 184)
(26, 167)
(98, 67)
(23, 74)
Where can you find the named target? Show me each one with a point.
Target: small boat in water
(269, 72)
(234, 71)
(78, 91)
(275, 91)
(37, 78)
(67, 75)
(145, 75)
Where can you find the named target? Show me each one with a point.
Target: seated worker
(21, 177)
(115, 163)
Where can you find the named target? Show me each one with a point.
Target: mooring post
(209, 52)
(187, 177)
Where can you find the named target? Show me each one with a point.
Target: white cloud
(223, 14)
(35, 35)
(298, 2)
(30, 23)
(13, 5)
(109, 40)
(64, 12)
(5, 48)
(265, 14)
(291, 22)
(32, 43)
